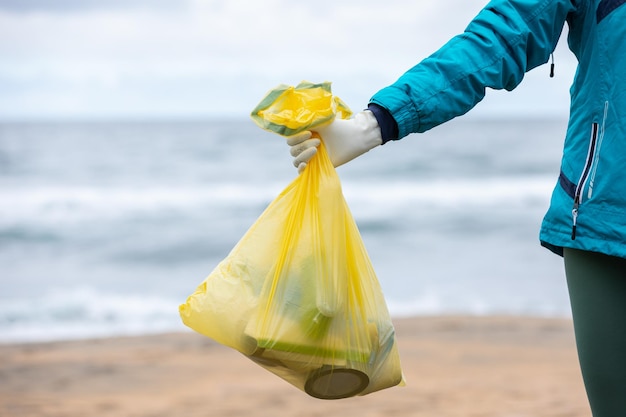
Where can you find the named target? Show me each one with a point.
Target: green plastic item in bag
(298, 294)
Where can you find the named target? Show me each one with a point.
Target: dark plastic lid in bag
(335, 383)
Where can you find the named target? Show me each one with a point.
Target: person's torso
(593, 170)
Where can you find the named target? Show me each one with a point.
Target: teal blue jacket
(507, 39)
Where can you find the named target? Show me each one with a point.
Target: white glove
(345, 139)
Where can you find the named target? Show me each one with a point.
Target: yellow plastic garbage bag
(298, 294)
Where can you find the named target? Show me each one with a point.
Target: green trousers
(597, 289)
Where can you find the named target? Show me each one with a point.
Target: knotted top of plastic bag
(288, 110)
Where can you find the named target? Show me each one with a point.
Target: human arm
(504, 41)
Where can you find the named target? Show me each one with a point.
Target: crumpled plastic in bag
(288, 110)
(298, 294)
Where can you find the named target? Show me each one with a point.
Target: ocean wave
(432, 304)
(75, 203)
(85, 313)
(78, 203)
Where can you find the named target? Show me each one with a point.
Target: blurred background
(129, 166)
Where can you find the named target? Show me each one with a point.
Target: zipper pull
(552, 66)
(574, 219)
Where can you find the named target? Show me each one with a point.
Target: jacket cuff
(386, 122)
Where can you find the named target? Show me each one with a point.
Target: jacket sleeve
(505, 40)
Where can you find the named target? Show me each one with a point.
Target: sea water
(106, 227)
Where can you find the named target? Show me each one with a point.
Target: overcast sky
(86, 59)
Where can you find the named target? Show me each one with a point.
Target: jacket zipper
(596, 159)
(583, 177)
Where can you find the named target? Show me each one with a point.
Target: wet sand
(454, 366)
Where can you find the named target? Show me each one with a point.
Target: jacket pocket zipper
(583, 177)
(596, 158)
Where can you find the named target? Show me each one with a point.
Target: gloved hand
(345, 139)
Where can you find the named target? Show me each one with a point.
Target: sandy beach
(454, 366)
